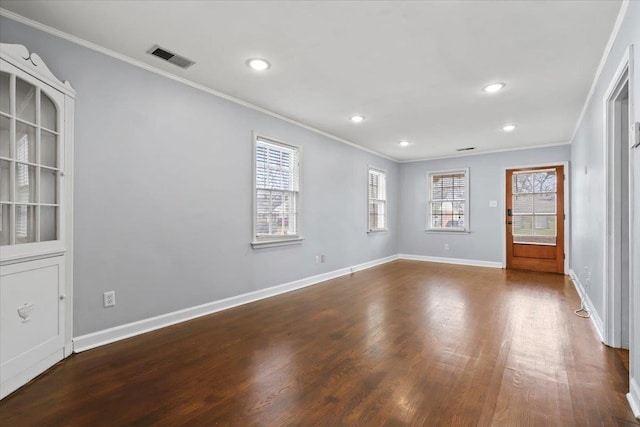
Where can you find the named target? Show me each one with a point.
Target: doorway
(618, 218)
(535, 218)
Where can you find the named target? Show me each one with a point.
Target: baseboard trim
(117, 333)
(584, 297)
(634, 397)
(457, 261)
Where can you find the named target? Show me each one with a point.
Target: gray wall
(588, 199)
(486, 182)
(163, 192)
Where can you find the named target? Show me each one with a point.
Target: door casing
(612, 288)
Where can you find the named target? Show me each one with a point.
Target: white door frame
(612, 284)
(567, 221)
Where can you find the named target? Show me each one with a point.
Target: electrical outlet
(319, 259)
(446, 246)
(109, 298)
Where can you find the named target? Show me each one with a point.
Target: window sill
(277, 242)
(378, 230)
(435, 231)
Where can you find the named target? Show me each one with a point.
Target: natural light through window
(277, 192)
(448, 208)
(377, 200)
(534, 207)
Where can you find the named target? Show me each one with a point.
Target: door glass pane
(25, 101)
(545, 225)
(48, 221)
(48, 149)
(4, 137)
(25, 224)
(48, 186)
(545, 182)
(4, 225)
(25, 143)
(522, 204)
(522, 183)
(25, 183)
(5, 105)
(523, 225)
(4, 180)
(545, 203)
(535, 200)
(48, 115)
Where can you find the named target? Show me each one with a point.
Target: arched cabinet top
(31, 63)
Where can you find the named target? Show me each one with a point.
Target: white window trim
(467, 226)
(272, 241)
(386, 201)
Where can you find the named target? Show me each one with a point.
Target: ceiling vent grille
(466, 149)
(171, 57)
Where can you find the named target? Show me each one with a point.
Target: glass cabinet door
(30, 161)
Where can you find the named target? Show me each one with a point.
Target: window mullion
(12, 152)
(38, 177)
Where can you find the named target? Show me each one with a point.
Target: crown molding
(605, 55)
(131, 61)
(480, 153)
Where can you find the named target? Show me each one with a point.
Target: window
(276, 217)
(377, 200)
(448, 201)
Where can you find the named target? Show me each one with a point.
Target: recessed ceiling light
(403, 143)
(493, 87)
(258, 64)
(509, 127)
(357, 118)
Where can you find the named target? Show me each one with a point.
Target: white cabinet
(36, 190)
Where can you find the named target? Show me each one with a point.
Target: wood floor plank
(404, 344)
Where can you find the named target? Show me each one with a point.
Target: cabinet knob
(63, 296)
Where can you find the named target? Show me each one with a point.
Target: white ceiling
(414, 69)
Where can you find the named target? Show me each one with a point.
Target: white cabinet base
(32, 320)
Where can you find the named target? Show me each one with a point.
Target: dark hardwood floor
(406, 343)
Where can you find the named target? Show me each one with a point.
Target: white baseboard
(458, 261)
(634, 397)
(593, 313)
(107, 336)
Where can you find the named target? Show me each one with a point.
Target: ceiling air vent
(466, 149)
(175, 59)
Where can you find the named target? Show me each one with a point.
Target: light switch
(493, 203)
